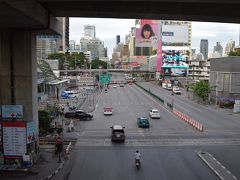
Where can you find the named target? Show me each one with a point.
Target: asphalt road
(216, 122)
(168, 147)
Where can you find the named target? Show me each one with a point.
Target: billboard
(138, 62)
(174, 62)
(14, 138)
(175, 33)
(147, 34)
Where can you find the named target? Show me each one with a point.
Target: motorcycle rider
(137, 156)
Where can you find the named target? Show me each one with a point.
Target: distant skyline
(107, 29)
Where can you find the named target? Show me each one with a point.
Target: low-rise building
(225, 77)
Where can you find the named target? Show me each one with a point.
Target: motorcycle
(137, 163)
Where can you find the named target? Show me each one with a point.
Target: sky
(107, 29)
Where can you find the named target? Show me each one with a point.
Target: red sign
(135, 63)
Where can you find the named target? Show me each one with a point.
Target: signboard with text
(14, 138)
(12, 111)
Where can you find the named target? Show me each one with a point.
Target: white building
(89, 31)
(95, 45)
(72, 45)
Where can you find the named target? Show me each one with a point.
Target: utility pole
(216, 98)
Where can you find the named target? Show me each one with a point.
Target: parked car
(118, 133)
(70, 114)
(176, 90)
(143, 122)
(107, 111)
(84, 116)
(154, 113)
(79, 114)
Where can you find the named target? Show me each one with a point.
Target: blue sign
(31, 132)
(12, 111)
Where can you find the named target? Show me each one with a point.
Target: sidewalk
(46, 167)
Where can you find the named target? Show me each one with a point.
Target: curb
(54, 173)
(199, 153)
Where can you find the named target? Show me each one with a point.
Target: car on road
(78, 114)
(143, 122)
(176, 90)
(114, 86)
(118, 133)
(107, 111)
(121, 85)
(154, 113)
(70, 114)
(84, 116)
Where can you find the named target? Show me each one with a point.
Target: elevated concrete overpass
(22, 20)
(105, 70)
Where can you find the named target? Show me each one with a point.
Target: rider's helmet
(137, 151)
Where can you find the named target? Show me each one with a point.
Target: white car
(176, 90)
(154, 113)
(114, 86)
(107, 111)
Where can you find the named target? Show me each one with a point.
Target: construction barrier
(67, 150)
(188, 120)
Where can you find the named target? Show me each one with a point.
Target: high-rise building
(90, 43)
(48, 44)
(204, 48)
(89, 31)
(72, 45)
(95, 45)
(218, 49)
(65, 34)
(117, 39)
(229, 47)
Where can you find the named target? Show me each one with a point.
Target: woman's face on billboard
(146, 34)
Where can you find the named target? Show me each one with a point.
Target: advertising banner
(139, 62)
(32, 132)
(12, 111)
(14, 138)
(175, 34)
(147, 34)
(174, 62)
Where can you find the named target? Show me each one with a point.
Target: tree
(60, 56)
(44, 120)
(74, 59)
(201, 89)
(96, 63)
(234, 53)
(78, 60)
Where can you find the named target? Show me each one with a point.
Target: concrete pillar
(18, 72)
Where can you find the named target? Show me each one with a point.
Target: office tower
(72, 45)
(89, 31)
(117, 39)
(204, 48)
(218, 49)
(229, 47)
